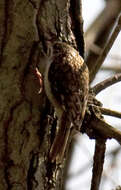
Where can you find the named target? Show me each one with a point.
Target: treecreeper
(66, 83)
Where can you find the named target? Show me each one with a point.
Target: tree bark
(26, 118)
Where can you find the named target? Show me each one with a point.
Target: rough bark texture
(25, 121)
(27, 125)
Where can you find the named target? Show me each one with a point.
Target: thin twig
(116, 69)
(109, 112)
(106, 83)
(109, 44)
(100, 148)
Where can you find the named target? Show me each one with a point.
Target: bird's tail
(61, 139)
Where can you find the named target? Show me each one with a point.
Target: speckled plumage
(67, 79)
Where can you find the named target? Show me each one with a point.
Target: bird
(66, 84)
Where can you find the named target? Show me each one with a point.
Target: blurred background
(80, 167)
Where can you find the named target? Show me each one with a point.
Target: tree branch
(98, 27)
(109, 112)
(106, 83)
(106, 130)
(107, 47)
(77, 23)
(116, 69)
(100, 127)
(100, 148)
(99, 33)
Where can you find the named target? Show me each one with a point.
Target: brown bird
(66, 85)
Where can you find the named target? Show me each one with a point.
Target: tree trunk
(27, 126)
